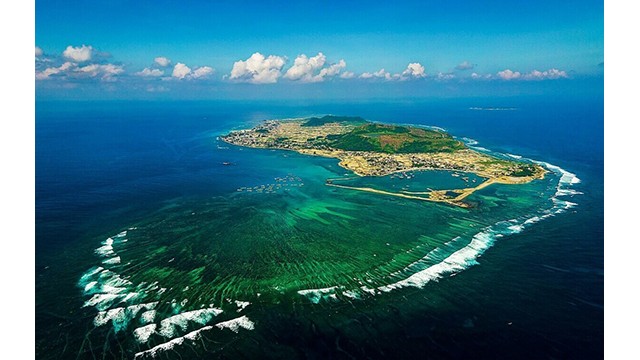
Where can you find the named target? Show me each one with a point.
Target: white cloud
(548, 74)
(257, 69)
(201, 72)
(533, 75)
(46, 73)
(78, 54)
(306, 69)
(303, 68)
(180, 71)
(72, 70)
(106, 71)
(445, 76)
(415, 70)
(347, 75)
(183, 72)
(509, 75)
(333, 69)
(378, 74)
(477, 76)
(146, 72)
(38, 51)
(162, 61)
(465, 65)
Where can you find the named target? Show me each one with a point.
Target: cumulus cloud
(378, 74)
(465, 65)
(147, 72)
(509, 75)
(304, 68)
(38, 51)
(347, 75)
(548, 74)
(78, 54)
(180, 71)
(258, 69)
(201, 72)
(52, 71)
(183, 72)
(533, 75)
(333, 69)
(313, 69)
(162, 61)
(477, 76)
(445, 76)
(105, 72)
(415, 70)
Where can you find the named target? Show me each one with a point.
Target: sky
(231, 49)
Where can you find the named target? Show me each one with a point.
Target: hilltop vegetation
(394, 139)
(352, 120)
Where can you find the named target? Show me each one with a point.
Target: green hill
(395, 139)
(352, 120)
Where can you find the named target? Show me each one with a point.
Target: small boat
(226, 163)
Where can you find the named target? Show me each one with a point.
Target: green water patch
(196, 262)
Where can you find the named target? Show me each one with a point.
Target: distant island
(376, 149)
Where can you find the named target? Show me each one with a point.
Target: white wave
(242, 304)
(90, 286)
(566, 178)
(106, 250)
(514, 156)
(351, 294)
(143, 333)
(131, 295)
(533, 220)
(480, 148)
(237, 323)
(148, 316)
(107, 282)
(202, 316)
(102, 301)
(112, 261)
(193, 336)
(120, 316)
(516, 228)
(122, 234)
(568, 192)
(315, 295)
(87, 276)
(103, 317)
(456, 262)
(469, 141)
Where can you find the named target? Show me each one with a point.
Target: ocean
(156, 239)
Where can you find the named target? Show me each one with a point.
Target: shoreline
(358, 163)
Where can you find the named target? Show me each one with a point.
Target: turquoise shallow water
(190, 263)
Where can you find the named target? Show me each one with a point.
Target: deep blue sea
(102, 167)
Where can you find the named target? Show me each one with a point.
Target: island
(375, 149)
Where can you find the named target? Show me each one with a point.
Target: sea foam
(193, 336)
(237, 323)
(202, 316)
